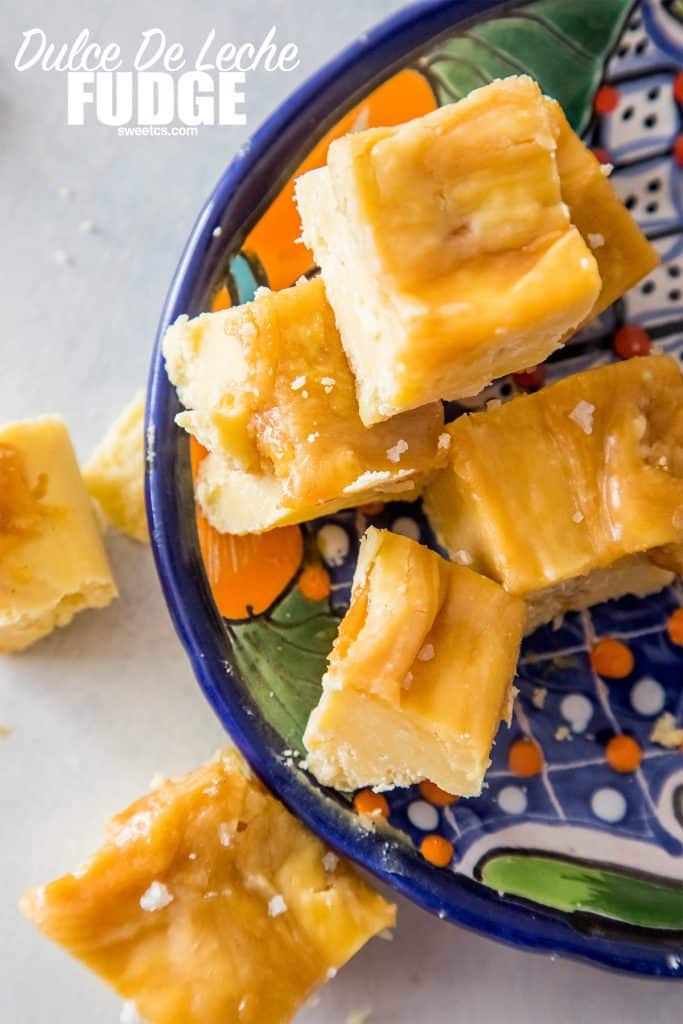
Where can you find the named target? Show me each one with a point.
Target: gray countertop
(92, 226)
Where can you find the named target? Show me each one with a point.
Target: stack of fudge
(464, 245)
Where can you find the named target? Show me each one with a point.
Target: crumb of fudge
(665, 732)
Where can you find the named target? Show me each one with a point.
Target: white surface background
(98, 708)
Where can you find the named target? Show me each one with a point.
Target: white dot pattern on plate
(577, 710)
(407, 527)
(333, 543)
(608, 804)
(647, 696)
(423, 815)
(512, 800)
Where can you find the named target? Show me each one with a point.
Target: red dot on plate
(602, 155)
(678, 150)
(678, 87)
(531, 378)
(606, 99)
(632, 340)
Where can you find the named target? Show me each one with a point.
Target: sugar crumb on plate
(538, 696)
(665, 732)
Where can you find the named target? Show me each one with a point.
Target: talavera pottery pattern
(571, 856)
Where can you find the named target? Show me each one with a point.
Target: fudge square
(210, 904)
(572, 495)
(447, 251)
(52, 561)
(115, 473)
(420, 674)
(268, 391)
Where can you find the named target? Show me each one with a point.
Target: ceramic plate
(562, 852)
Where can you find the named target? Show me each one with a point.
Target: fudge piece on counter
(52, 561)
(115, 473)
(209, 902)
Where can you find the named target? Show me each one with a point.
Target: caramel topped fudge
(268, 391)
(574, 494)
(459, 245)
(209, 903)
(52, 562)
(420, 674)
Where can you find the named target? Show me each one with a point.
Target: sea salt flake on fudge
(190, 931)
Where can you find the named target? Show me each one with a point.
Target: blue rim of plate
(248, 184)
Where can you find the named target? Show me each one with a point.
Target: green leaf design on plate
(282, 658)
(572, 887)
(563, 44)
